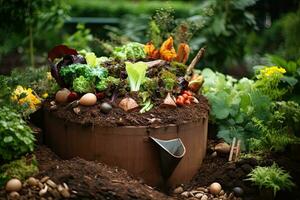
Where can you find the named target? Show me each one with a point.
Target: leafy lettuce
(130, 51)
(136, 74)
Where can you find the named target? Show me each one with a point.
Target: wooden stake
(232, 149)
(237, 150)
(195, 61)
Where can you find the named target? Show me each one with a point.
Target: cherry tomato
(189, 93)
(188, 102)
(185, 96)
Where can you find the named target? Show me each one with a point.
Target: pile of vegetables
(140, 74)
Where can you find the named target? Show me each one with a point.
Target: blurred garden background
(238, 34)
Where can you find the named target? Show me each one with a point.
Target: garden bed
(118, 117)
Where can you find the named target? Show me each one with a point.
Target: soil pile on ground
(92, 180)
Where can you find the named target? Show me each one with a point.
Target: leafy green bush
(272, 177)
(16, 137)
(39, 79)
(20, 169)
(94, 8)
(233, 104)
(280, 38)
(292, 76)
(271, 138)
(248, 110)
(81, 39)
(29, 22)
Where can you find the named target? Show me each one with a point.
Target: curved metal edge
(184, 150)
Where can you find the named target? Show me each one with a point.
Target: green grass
(272, 177)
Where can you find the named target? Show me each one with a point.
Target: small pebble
(51, 183)
(178, 190)
(76, 110)
(43, 191)
(65, 193)
(192, 198)
(215, 188)
(13, 185)
(185, 194)
(32, 181)
(201, 189)
(44, 179)
(238, 191)
(198, 195)
(105, 108)
(222, 193)
(14, 195)
(204, 197)
(214, 154)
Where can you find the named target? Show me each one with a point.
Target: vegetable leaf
(136, 74)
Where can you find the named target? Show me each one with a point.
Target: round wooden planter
(129, 147)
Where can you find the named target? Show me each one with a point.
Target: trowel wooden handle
(195, 61)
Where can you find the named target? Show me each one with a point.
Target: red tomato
(189, 93)
(185, 95)
(188, 102)
(180, 100)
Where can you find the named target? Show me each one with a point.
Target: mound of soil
(93, 180)
(233, 174)
(118, 117)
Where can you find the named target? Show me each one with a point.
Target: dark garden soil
(118, 117)
(232, 174)
(94, 180)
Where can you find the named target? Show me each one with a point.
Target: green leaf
(136, 74)
(242, 4)
(290, 80)
(220, 108)
(8, 139)
(219, 25)
(91, 59)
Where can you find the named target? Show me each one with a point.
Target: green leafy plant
(16, 137)
(248, 110)
(131, 51)
(169, 79)
(136, 74)
(20, 169)
(292, 75)
(268, 80)
(272, 177)
(234, 103)
(108, 83)
(150, 85)
(285, 114)
(5, 90)
(81, 39)
(73, 71)
(29, 20)
(271, 138)
(39, 79)
(83, 85)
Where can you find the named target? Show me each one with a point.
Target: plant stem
(31, 50)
